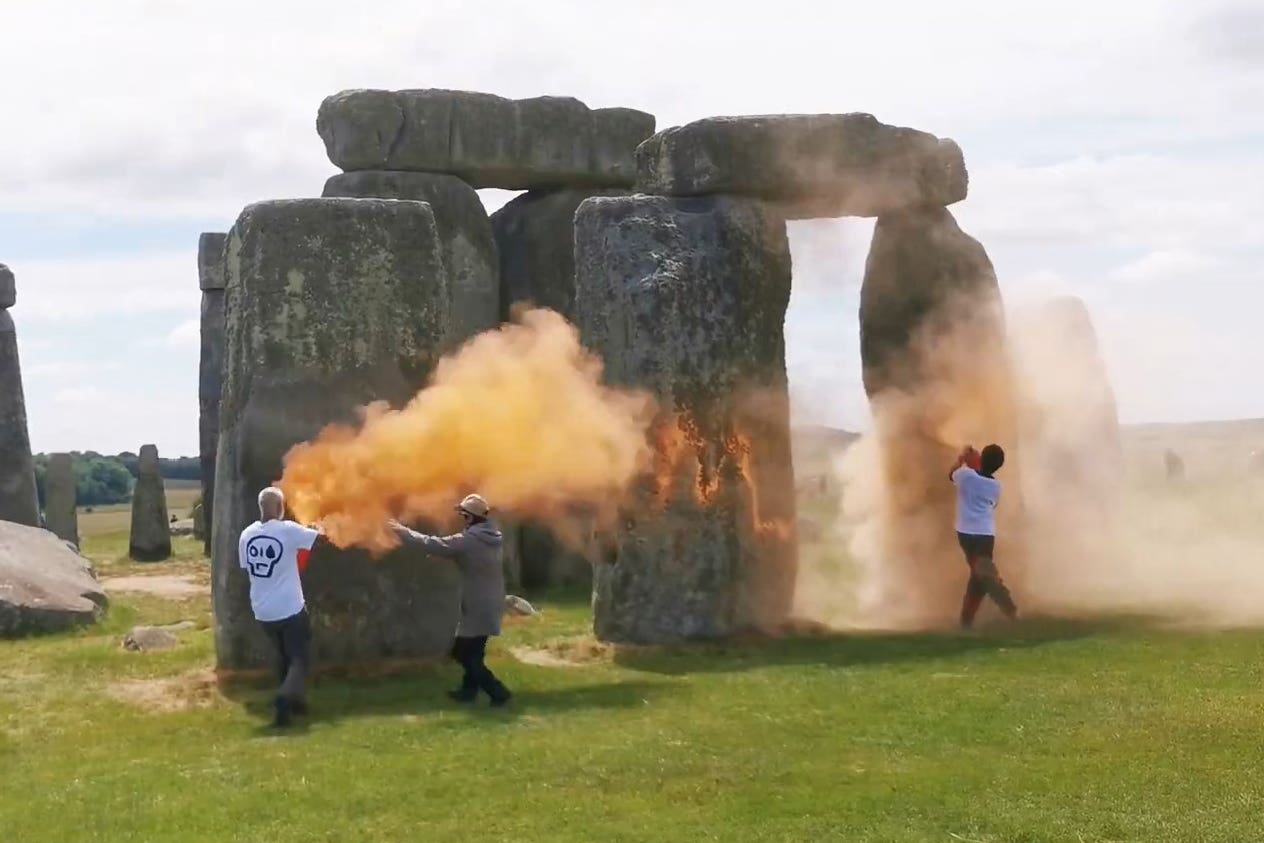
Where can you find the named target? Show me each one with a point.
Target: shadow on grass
(423, 692)
(865, 648)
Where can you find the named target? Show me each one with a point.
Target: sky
(1115, 151)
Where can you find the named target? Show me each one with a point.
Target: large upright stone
(18, 499)
(8, 288)
(816, 165)
(332, 303)
(687, 297)
(465, 234)
(935, 367)
(489, 141)
(151, 531)
(210, 365)
(61, 497)
(535, 238)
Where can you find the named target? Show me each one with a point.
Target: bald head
(271, 503)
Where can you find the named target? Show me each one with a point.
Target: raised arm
(449, 547)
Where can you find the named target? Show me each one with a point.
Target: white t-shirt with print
(976, 502)
(269, 551)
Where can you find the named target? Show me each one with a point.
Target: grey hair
(272, 493)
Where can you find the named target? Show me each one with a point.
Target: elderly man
(477, 551)
(274, 553)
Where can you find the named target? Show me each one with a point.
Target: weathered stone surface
(535, 239)
(210, 365)
(150, 540)
(817, 165)
(687, 297)
(936, 369)
(18, 500)
(44, 585)
(8, 288)
(211, 260)
(490, 141)
(331, 304)
(60, 497)
(465, 234)
(547, 563)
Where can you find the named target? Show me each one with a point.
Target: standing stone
(535, 238)
(210, 366)
(151, 530)
(489, 141)
(815, 165)
(60, 498)
(688, 298)
(19, 501)
(331, 304)
(935, 368)
(465, 234)
(1070, 424)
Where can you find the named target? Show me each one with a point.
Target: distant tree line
(103, 479)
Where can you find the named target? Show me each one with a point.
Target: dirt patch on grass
(198, 689)
(170, 586)
(565, 652)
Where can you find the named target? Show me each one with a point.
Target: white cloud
(110, 287)
(1167, 266)
(1113, 151)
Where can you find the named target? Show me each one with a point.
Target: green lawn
(110, 518)
(1046, 732)
(1117, 729)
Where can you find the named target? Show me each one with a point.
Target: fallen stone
(535, 239)
(18, 500)
(183, 527)
(150, 539)
(816, 165)
(687, 297)
(44, 585)
(210, 364)
(465, 234)
(332, 304)
(489, 141)
(8, 288)
(168, 586)
(149, 639)
(60, 497)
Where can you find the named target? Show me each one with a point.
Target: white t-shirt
(269, 551)
(976, 502)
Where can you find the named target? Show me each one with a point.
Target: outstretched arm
(449, 547)
(963, 458)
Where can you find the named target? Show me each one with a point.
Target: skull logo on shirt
(262, 555)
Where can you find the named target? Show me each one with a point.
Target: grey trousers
(292, 638)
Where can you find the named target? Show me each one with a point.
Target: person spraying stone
(477, 551)
(274, 552)
(978, 492)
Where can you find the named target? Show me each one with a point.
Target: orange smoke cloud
(519, 414)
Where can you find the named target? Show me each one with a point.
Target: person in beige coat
(477, 552)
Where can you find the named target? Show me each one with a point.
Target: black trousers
(984, 579)
(292, 638)
(470, 652)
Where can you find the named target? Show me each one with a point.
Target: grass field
(99, 520)
(1110, 729)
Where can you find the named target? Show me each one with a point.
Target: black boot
(281, 717)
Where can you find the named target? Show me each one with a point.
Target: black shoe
(501, 701)
(281, 718)
(463, 696)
